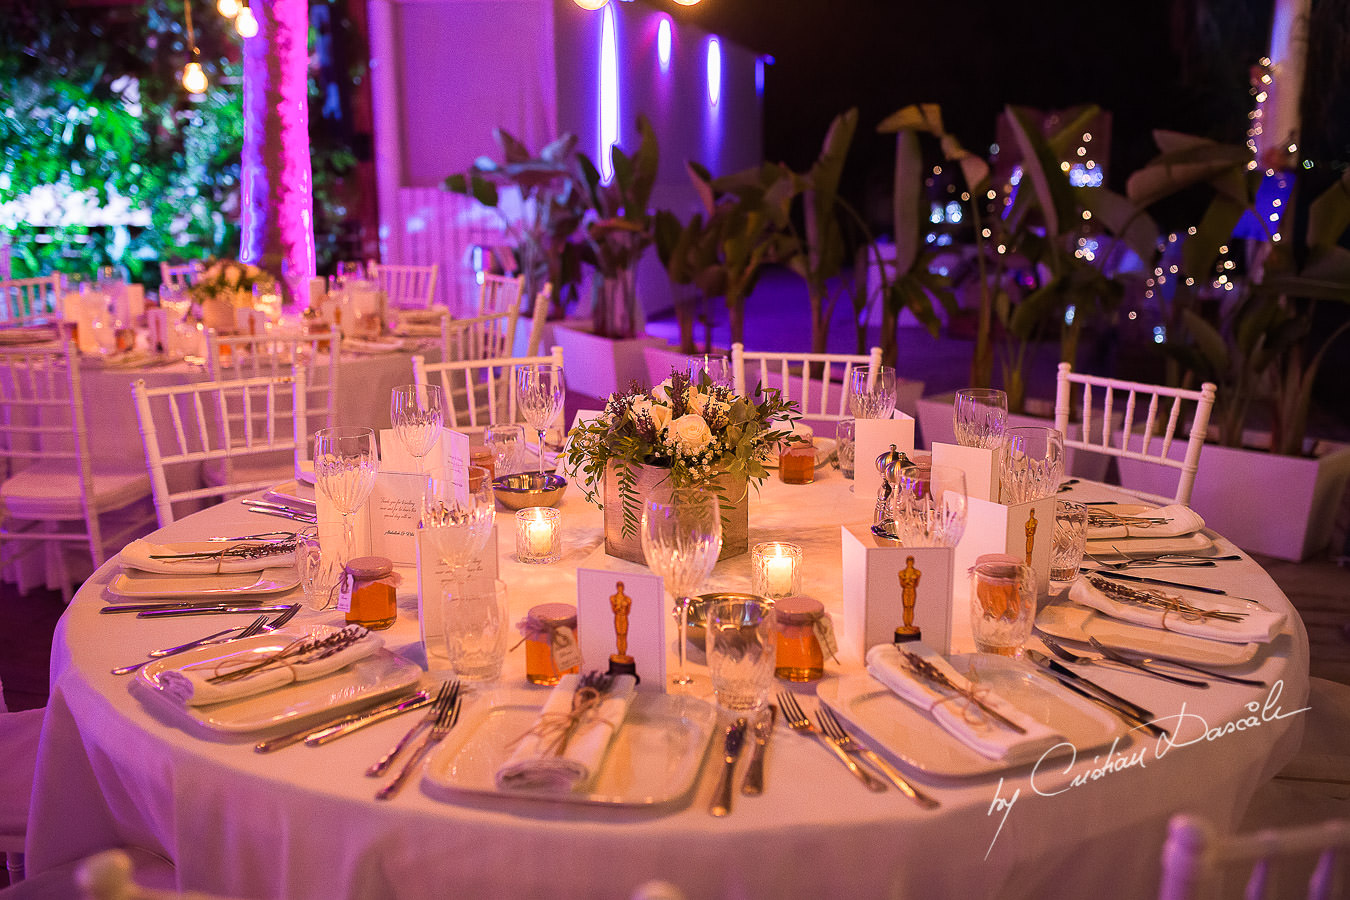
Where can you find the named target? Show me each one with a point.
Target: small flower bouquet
(697, 435)
(231, 280)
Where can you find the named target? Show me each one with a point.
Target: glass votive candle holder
(776, 569)
(538, 535)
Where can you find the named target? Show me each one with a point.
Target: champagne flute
(457, 517)
(980, 416)
(417, 412)
(345, 463)
(872, 392)
(540, 389)
(681, 538)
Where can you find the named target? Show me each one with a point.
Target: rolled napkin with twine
(207, 557)
(1178, 611)
(1180, 520)
(564, 748)
(954, 708)
(249, 672)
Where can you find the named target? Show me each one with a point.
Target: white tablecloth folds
(1181, 519)
(957, 716)
(567, 743)
(115, 769)
(1256, 625)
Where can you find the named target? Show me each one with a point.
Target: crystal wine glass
(417, 412)
(1031, 463)
(872, 392)
(457, 516)
(929, 506)
(681, 538)
(540, 388)
(345, 463)
(980, 415)
(505, 441)
(717, 367)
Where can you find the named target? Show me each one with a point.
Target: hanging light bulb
(246, 23)
(228, 8)
(194, 79)
(590, 4)
(687, 2)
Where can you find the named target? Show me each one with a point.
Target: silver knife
(399, 703)
(342, 729)
(150, 607)
(731, 751)
(219, 609)
(753, 785)
(1099, 695)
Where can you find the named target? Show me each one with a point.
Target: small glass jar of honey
(546, 628)
(800, 656)
(373, 587)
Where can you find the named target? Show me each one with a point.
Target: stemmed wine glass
(345, 464)
(457, 516)
(979, 416)
(540, 389)
(681, 538)
(418, 414)
(929, 506)
(717, 367)
(872, 392)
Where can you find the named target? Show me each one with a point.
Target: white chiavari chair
(498, 293)
(53, 495)
(480, 392)
(240, 426)
(538, 316)
(487, 336)
(18, 747)
(25, 300)
(179, 276)
(818, 382)
(1198, 860)
(1150, 440)
(407, 287)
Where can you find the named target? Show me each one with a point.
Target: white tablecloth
(302, 823)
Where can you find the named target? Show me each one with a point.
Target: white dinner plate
(824, 447)
(355, 345)
(293, 493)
(655, 758)
(133, 584)
(914, 739)
(139, 555)
(365, 680)
(1196, 542)
(1072, 622)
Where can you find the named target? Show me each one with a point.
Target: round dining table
(117, 770)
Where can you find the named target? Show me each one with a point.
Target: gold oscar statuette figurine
(909, 592)
(1031, 534)
(620, 663)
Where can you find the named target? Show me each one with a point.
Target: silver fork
(1108, 660)
(798, 722)
(1124, 660)
(834, 731)
(444, 722)
(250, 630)
(445, 697)
(219, 637)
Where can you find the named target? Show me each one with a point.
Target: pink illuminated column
(278, 197)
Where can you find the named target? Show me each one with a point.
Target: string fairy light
(245, 22)
(194, 78)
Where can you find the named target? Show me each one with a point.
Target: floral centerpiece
(679, 434)
(224, 285)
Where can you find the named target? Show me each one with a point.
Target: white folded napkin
(191, 685)
(1181, 519)
(138, 555)
(1258, 625)
(957, 716)
(536, 765)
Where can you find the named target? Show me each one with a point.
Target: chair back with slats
(489, 336)
(179, 276)
(195, 424)
(479, 393)
(498, 293)
(538, 316)
(25, 300)
(407, 287)
(49, 479)
(1196, 859)
(1151, 415)
(818, 382)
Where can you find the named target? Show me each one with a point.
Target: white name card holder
(980, 466)
(434, 581)
(873, 437)
(999, 528)
(612, 604)
(879, 582)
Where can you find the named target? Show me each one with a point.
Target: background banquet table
(301, 822)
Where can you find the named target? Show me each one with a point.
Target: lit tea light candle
(537, 535)
(776, 568)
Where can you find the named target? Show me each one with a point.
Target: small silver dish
(526, 489)
(696, 632)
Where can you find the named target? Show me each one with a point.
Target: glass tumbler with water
(742, 644)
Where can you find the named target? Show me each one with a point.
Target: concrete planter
(598, 366)
(1281, 506)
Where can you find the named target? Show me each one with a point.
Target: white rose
(660, 416)
(642, 406)
(690, 434)
(698, 401)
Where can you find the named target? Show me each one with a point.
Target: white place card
(1023, 530)
(872, 438)
(889, 586)
(980, 466)
(393, 511)
(623, 613)
(394, 457)
(434, 581)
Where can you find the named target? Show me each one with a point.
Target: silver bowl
(697, 630)
(525, 489)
